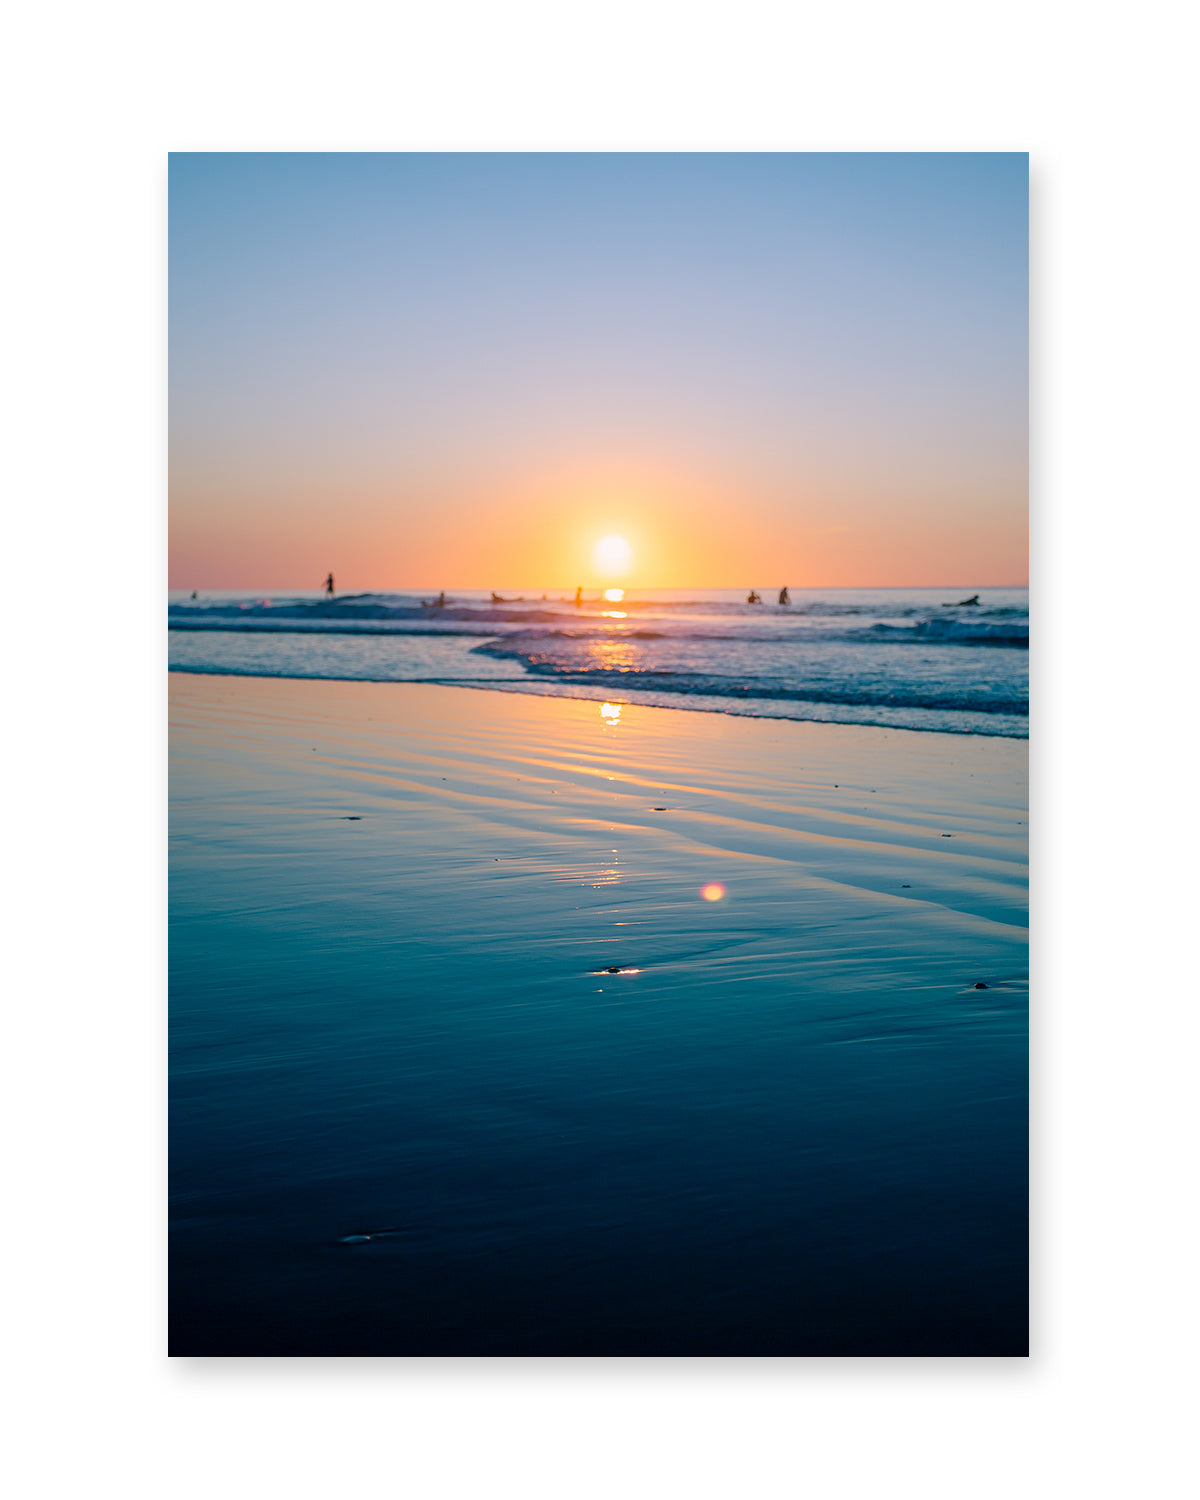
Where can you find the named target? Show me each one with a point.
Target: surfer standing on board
(329, 586)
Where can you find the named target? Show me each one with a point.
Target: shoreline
(580, 692)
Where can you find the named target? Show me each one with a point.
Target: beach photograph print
(598, 689)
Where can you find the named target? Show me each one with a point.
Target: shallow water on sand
(412, 1113)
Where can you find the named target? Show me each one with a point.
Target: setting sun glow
(612, 557)
(614, 596)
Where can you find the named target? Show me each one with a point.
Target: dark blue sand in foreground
(409, 1118)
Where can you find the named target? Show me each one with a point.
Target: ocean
(916, 659)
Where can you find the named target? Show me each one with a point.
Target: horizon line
(570, 589)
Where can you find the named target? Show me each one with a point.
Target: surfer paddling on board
(963, 603)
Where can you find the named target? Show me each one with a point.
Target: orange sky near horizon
(668, 552)
(541, 535)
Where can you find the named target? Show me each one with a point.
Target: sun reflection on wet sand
(425, 964)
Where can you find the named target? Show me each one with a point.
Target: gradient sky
(439, 371)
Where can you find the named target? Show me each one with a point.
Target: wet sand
(413, 1112)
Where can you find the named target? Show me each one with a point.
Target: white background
(94, 98)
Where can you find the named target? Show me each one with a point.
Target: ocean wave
(716, 685)
(224, 625)
(334, 613)
(972, 632)
(396, 607)
(467, 622)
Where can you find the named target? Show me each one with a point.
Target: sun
(612, 557)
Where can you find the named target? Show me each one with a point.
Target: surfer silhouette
(329, 586)
(963, 603)
(784, 596)
(578, 596)
(753, 597)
